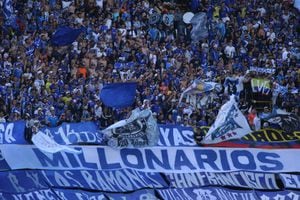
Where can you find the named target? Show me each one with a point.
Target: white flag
(230, 124)
(139, 130)
(47, 144)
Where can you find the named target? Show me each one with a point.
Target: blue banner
(278, 195)
(75, 133)
(123, 180)
(89, 133)
(173, 135)
(207, 193)
(37, 194)
(118, 95)
(19, 181)
(64, 194)
(290, 180)
(235, 179)
(155, 159)
(12, 133)
(65, 35)
(145, 194)
(3, 164)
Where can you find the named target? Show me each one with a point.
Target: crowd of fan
(54, 84)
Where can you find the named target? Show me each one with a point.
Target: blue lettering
(151, 158)
(54, 160)
(206, 156)
(264, 157)
(224, 160)
(182, 160)
(125, 153)
(103, 161)
(249, 161)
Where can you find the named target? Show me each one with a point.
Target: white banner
(230, 124)
(47, 144)
(155, 159)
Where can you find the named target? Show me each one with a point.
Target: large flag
(65, 35)
(118, 95)
(48, 145)
(199, 31)
(230, 124)
(198, 87)
(139, 130)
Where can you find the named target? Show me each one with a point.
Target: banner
(47, 144)
(37, 194)
(139, 130)
(65, 35)
(264, 138)
(262, 70)
(12, 132)
(207, 193)
(67, 133)
(290, 180)
(272, 135)
(242, 179)
(260, 85)
(3, 164)
(155, 159)
(122, 180)
(64, 194)
(229, 124)
(118, 95)
(19, 181)
(146, 194)
(278, 195)
(174, 135)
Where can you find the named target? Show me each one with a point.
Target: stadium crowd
(56, 84)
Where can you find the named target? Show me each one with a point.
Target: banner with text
(155, 159)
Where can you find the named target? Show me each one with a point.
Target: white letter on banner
(69, 174)
(40, 195)
(34, 176)
(191, 179)
(293, 196)
(1, 133)
(189, 136)
(60, 180)
(62, 134)
(123, 181)
(270, 181)
(180, 180)
(204, 194)
(9, 133)
(165, 135)
(201, 176)
(178, 138)
(136, 179)
(102, 182)
(290, 180)
(15, 182)
(89, 180)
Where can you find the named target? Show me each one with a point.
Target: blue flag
(118, 95)
(65, 35)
